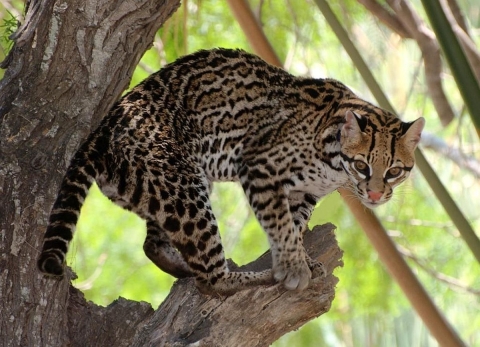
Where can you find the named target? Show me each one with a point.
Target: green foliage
(7, 28)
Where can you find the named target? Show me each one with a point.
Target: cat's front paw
(293, 275)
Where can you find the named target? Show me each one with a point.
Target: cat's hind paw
(317, 268)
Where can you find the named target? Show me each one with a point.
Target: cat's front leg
(301, 205)
(271, 207)
(290, 266)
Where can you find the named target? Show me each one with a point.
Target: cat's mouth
(373, 204)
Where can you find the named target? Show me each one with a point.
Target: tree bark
(70, 62)
(250, 318)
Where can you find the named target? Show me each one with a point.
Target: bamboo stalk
(401, 272)
(462, 71)
(388, 253)
(259, 42)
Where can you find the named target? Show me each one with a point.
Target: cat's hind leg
(188, 219)
(160, 251)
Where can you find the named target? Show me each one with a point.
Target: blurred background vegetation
(369, 308)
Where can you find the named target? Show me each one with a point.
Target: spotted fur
(226, 115)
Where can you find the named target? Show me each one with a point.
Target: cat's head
(377, 154)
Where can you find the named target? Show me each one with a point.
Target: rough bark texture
(250, 318)
(70, 62)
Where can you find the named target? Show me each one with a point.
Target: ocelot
(226, 115)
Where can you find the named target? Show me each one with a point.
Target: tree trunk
(70, 62)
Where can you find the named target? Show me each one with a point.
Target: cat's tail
(80, 176)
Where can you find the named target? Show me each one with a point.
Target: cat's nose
(374, 196)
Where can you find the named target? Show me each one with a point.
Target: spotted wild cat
(226, 115)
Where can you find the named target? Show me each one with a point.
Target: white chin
(372, 205)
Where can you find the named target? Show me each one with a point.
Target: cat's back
(221, 78)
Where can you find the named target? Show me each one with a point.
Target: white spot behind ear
(351, 129)
(414, 133)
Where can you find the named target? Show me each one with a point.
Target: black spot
(205, 259)
(188, 249)
(197, 267)
(202, 224)
(192, 193)
(151, 84)
(192, 210)
(137, 193)
(189, 228)
(312, 92)
(183, 181)
(50, 264)
(153, 205)
(168, 208)
(134, 96)
(122, 182)
(201, 246)
(213, 230)
(216, 250)
(179, 207)
(220, 263)
(172, 178)
(151, 188)
(205, 236)
(327, 99)
(172, 224)
(310, 199)
(211, 268)
(208, 215)
(256, 173)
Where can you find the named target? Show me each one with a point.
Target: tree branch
(456, 12)
(454, 16)
(452, 282)
(469, 163)
(408, 24)
(386, 17)
(428, 44)
(188, 318)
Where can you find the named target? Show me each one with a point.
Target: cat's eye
(361, 167)
(394, 172)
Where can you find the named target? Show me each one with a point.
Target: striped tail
(64, 216)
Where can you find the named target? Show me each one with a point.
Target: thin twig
(469, 163)
(452, 282)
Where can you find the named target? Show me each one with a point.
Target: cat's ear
(412, 135)
(351, 128)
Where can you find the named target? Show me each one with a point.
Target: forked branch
(254, 317)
